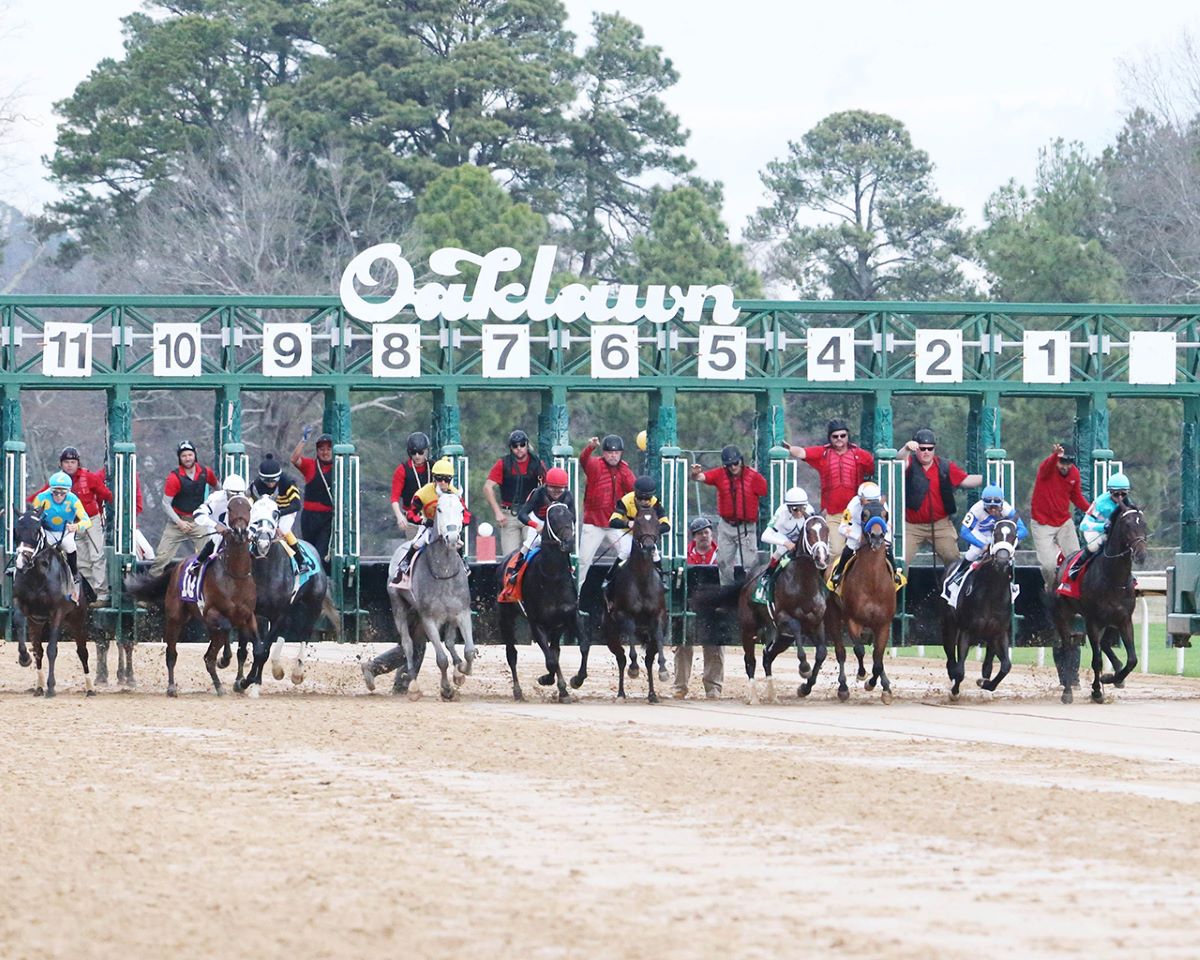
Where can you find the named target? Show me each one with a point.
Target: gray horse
(437, 599)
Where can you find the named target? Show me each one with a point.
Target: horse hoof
(987, 695)
(459, 678)
(546, 679)
(297, 677)
(805, 668)
(128, 683)
(1067, 695)
(633, 672)
(564, 696)
(1106, 678)
(869, 685)
(466, 666)
(91, 693)
(172, 691)
(447, 693)
(224, 662)
(652, 698)
(954, 696)
(663, 674)
(277, 671)
(886, 697)
(49, 693)
(414, 695)
(1097, 696)
(518, 695)
(252, 691)
(39, 692)
(368, 676)
(862, 674)
(844, 694)
(219, 691)
(979, 682)
(1119, 684)
(25, 660)
(576, 682)
(238, 686)
(803, 690)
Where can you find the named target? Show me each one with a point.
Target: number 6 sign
(614, 352)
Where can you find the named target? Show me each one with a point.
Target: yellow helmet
(443, 468)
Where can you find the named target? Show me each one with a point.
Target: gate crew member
(516, 475)
(608, 480)
(408, 478)
(316, 525)
(63, 514)
(739, 488)
(278, 486)
(1055, 488)
(91, 491)
(702, 551)
(929, 486)
(183, 492)
(841, 466)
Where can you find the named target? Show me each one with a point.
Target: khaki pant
(511, 532)
(737, 544)
(89, 555)
(1047, 541)
(836, 540)
(944, 538)
(169, 543)
(714, 667)
(596, 542)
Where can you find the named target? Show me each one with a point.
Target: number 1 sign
(1047, 356)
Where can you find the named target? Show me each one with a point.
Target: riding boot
(891, 558)
(205, 552)
(72, 564)
(516, 568)
(836, 577)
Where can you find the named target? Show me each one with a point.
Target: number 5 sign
(722, 353)
(939, 356)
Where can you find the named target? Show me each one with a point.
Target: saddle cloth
(511, 592)
(952, 589)
(301, 577)
(764, 590)
(191, 579)
(1071, 579)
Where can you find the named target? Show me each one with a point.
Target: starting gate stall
(438, 340)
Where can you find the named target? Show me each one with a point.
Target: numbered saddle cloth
(191, 579)
(303, 574)
(764, 590)
(1071, 578)
(511, 592)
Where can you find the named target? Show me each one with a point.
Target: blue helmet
(60, 481)
(1118, 481)
(993, 495)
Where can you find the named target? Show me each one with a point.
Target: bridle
(548, 527)
(818, 548)
(1128, 511)
(1007, 545)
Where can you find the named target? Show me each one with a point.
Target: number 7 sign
(505, 350)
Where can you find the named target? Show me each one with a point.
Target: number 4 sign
(830, 353)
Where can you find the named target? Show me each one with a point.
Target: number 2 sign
(939, 356)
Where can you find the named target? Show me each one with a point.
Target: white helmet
(233, 484)
(795, 497)
(869, 490)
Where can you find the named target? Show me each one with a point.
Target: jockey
(423, 508)
(980, 520)
(532, 513)
(640, 498)
(62, 514)
(786, 528)
(273, 485)
(210, 515)
(851, 528)
(1095, 522)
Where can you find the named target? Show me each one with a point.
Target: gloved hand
(308, 432)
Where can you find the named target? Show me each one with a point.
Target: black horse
(984, 612)
(42, 585)
(636, 605)
(550, 602)
(1106, 601)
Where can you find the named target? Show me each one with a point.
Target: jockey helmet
(443, 470)
(324, 438)
(184, 446)
(556, 477)
(233, 484)
(69, 453)
(1118, 481)
(516, 438)
(60, 481)
(644, 487)
(868, 491)
(418, 443)
(730, 455)
(612, 442)
(795, 497)
(1068, 454)
(836, 425)
(269, 469)
(925, 435)
(698, 524)
(993, 495)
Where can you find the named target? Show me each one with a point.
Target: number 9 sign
(287, 350)
(614, 352)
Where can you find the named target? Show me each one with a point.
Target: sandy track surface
(319, 821)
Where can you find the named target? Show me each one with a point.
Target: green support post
(662, 430)
(771, 457)
(1189, 508)
(554, 443)
(1091, 435)
(228, 446)
(876, 424)
(121, 516)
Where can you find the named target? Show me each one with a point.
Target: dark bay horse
(984, 612)
(636, 605)
(797, 613)
(42, 584)
(867, 603)
(550, 602)
(1107, 599)
(228, 596)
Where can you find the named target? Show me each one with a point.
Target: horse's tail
(330, 612)
(144, 586)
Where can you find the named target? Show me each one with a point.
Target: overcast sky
(980, 86)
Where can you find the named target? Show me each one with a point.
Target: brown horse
(228, 592)
(867, 603)
(796, 612)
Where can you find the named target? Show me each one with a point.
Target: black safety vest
(516, 487)
(319, 491)
(916, 485)
(191, 492)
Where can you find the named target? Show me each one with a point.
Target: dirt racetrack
(319, 821)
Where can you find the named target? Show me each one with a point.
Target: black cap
(184, 447)
(269, 469)
(925, 435)
(324, 438)
(834, 425)
(517, 436)
(731, 455)
(1068, 452)
(69, 453)
(698, 524)
(644, 485)
(418, 442)
(612, 442)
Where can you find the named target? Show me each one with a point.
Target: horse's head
(816, 541)
(1004, 543)
(27, 536)
(1128, 534)
(560, 528)
(448, 520)
(237, 518)
(874, 524)
(264, 523)
(646, 529)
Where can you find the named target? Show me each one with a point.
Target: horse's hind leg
(125, 661)
(633, 664)
(240, 680)
(778, 644)
(663, 673)
(839, 650)
(959, 671)
(1095, 638)
(750, 659)
(217, 640)
(1117, 679)
(298, 668)
(510, 654)
(82, 650)
(1000, 646)
(226, 653)
(820, 652)
(102, 663)
(584, 644)
(277, 658)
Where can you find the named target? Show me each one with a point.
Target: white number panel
(830, 353)
(1151, 357)
(67, 349)
(177, 350)
(396, 350)
(722, 353)
(506, 350)
(1047, 356)
(614, 352)
(287, 350)
(939, 356)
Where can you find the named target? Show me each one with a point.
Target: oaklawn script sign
(510, 301)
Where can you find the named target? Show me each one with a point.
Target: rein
(1129, 549)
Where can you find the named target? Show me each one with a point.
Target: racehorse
(279, 613)
(42, 586)
(1106, 601)
(228, 596)
(636, 605)
(797, 610)
(867, 602)
(549, 600)
(438, 598)
(984, 612)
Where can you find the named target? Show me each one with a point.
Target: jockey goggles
(443, 478)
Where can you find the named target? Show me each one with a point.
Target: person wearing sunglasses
(1116, 496)
(739, 488)
(423, 510)
(841, 466)
(1055, 488)
(929, 485)
(409, 477)
(609, 478)
(515, 476)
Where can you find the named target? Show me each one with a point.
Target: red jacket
(840, 473)
(101, 476)
(89, 488)
(737, 498)
(1053, 493)
(605, 487)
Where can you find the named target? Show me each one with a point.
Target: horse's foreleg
(226, 653)
(1096, 638)
(777, 645)
(465, 630)
(999, 647)
(240, 680)
(820, 652)
(434, 635)
(171, 637)
(1117, 677)
(584, 643)
(959, 673)
(510, 654)
(125, 662)
(839, 649)
(218, 640)
(38, 659)
(298, 668)
(277, 658)
(102, 663)
(82, 650)
(53, 630)
(261, 648)
(663, 673)
(750, 658)
(633, 663)
(860, 651)
(877, 671)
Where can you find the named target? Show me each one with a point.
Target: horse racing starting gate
(437, 340)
